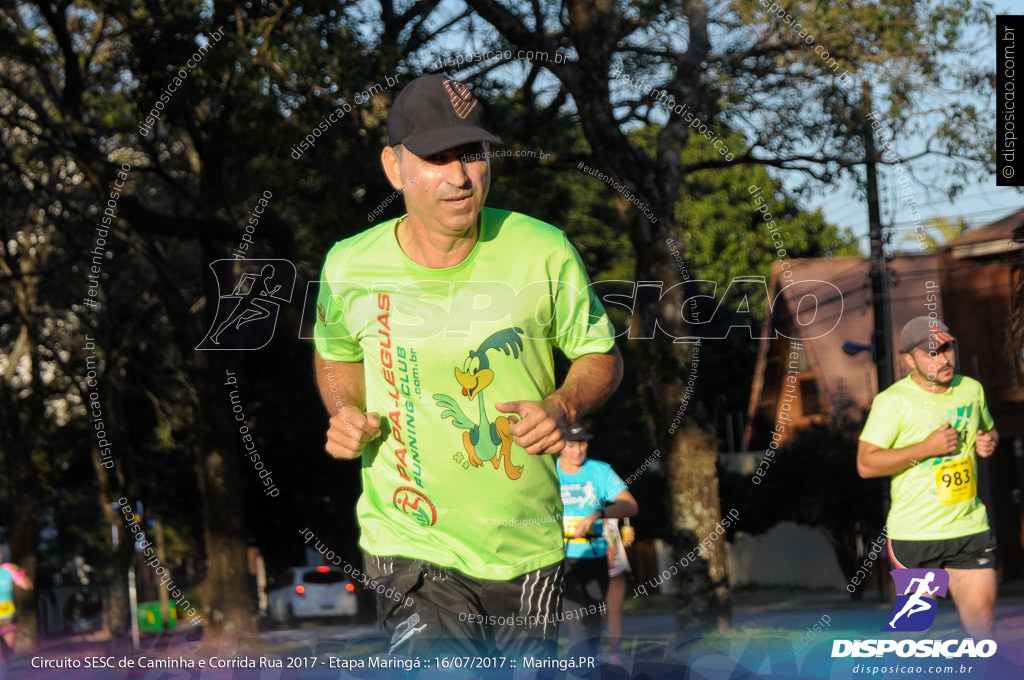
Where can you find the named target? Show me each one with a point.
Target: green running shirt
(932, 500)
(446, 483)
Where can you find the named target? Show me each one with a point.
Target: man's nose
(455, 173)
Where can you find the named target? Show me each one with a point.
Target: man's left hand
(985, 444)
(540, 426)
(585, 524)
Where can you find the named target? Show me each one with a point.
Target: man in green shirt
(926, 431)
(434, 358)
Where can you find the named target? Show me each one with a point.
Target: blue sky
(982, 202)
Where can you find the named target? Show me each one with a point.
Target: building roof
(993, 231)
(990, 239)
(830, 307)
(844, 315)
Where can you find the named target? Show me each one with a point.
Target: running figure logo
(588, 495)
(252, 303)
(914, 610)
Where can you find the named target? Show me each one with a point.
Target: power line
(904, 225)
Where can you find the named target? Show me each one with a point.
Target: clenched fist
(942, 441)
(540, 426)
(350, 431)
(985, 444)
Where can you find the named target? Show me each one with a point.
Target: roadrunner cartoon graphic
(486, 440)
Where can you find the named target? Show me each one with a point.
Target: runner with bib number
(927, 431)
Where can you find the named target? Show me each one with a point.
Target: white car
(307, 592)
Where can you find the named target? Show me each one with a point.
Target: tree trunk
(22, 410)
(227, 610)
(702, 583)
(24, 492)
(226, 601)
(703, 587)
(227, 604)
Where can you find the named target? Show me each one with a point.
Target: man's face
(935, 368)
(444, 192)
(574, 453)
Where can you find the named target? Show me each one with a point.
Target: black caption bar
(1010, 155)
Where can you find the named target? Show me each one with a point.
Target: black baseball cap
(434, 113)
(922, 329)
(577, 433)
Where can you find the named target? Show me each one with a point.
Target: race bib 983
(954, 481)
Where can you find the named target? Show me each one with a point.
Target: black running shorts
(977, 551)
(434, 611)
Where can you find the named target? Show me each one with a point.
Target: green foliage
(727, 237)
(920, 62)
(938, 231)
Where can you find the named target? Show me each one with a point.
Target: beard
(930, 373)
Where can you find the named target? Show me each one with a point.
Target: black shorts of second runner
(977, 551)
(425, 610)
(586, 585)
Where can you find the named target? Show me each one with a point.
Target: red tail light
(300, 590)
(350, 588)
(323, 570)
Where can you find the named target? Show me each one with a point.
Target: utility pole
(878, 274)
(165, 614)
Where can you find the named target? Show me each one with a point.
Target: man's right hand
(942, 441)
(350, 431)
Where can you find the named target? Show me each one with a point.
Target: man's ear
(909, 360)
(392, 165)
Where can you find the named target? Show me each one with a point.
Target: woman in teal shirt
(11, 575)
